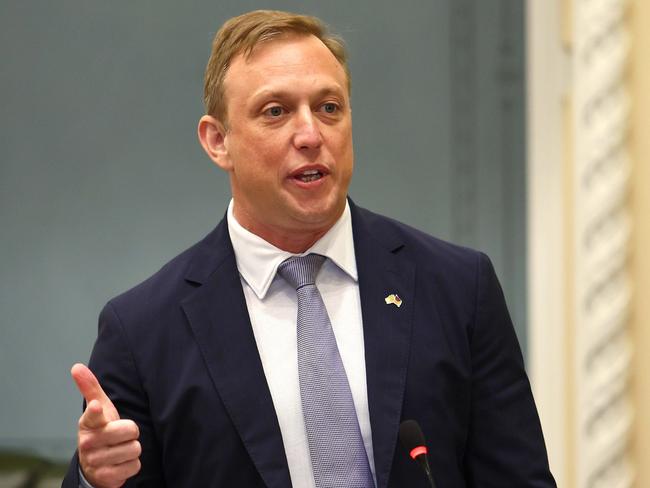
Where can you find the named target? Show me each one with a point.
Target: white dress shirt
(272, 307)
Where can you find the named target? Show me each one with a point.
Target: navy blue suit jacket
(177, 355)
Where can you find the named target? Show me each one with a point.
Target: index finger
(93, 417)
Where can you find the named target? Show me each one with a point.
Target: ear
(212, 136)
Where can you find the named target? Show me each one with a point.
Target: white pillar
(579, 235)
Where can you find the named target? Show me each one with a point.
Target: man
(206, 379)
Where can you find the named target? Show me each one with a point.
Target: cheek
(345, 153)
(341, 138)
(250, 153)
(258, 166)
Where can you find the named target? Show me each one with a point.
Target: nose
(307, 131)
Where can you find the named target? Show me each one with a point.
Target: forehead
(292, 59)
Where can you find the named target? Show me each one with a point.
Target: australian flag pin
(394, 299)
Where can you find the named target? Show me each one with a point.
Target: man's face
(288, 143)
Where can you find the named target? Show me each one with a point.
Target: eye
(329, 108)
(274, 111)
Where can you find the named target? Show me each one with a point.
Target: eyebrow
(283, 93)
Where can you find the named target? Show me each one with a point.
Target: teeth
(310, 172)
(310, 177)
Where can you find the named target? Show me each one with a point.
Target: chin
(322, 212)
(313, 219)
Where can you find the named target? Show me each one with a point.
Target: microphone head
(412, 437)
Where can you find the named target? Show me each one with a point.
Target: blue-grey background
(102, 179)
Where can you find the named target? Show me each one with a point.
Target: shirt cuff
(83, 482)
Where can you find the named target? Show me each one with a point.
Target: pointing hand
(109, 449)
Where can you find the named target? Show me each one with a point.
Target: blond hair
(242, 33)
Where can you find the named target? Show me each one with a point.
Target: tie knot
(301, 270)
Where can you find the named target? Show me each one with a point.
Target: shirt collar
(258, 260)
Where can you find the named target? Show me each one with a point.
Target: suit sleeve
(113, 362)
(505, 445)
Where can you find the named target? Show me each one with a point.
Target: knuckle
(137, 449)
(85, 443)
(91, 460)
(134, 468)
(127, 431)
(134, 430)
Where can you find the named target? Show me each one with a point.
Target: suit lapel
(387, 333)
(219, 318)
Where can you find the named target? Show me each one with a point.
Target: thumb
(91, 390)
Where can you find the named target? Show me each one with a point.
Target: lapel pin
(394, 299)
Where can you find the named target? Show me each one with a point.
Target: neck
(293, 240)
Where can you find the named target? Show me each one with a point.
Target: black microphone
(413, 440)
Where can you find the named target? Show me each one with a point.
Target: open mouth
(309, 175)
